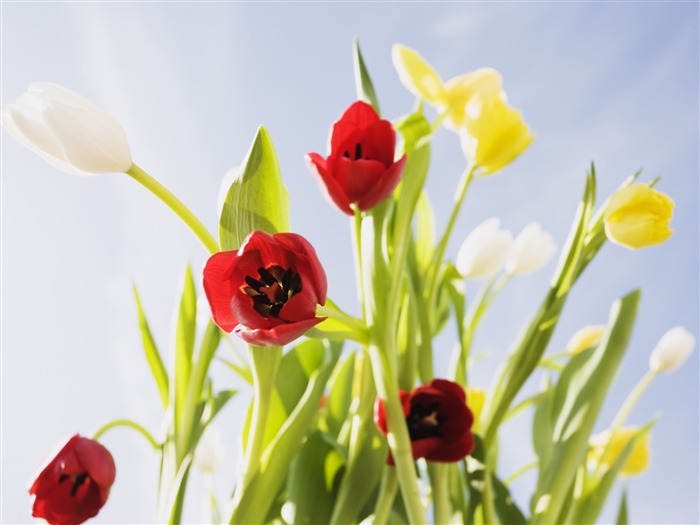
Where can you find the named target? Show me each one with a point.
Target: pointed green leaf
(257, 198)
(340, 396)
(313, 479)
(622, 512)
(160, 374)
(578, 396)
(363, 84)
(184, 347)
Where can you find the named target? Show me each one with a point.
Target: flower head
(360, 167)
(485, 250)
(605, 451)
(68, 131)
(268, 290)
(585, 338)
(532, 249)
(672, 350)
(75, 484)
(438, 419)
(638, 216)
(494, 134)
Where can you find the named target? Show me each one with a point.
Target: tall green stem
(441, 491)
(176, 205)
(387, 493)
(127, 423)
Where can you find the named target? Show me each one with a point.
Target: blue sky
(616, 83)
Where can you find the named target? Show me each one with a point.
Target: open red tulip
(438, 419)
(360, 167)
(75, 484)
(267, 290)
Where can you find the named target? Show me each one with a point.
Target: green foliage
(155, 362)
(257, 198)
(363, 83)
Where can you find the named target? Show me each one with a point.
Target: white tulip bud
(209, 452)
(68, 131)
(485, 250)
(672, 350)
(532, 249)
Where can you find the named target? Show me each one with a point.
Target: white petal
(532, 249)
(485, 250)
(672, 350)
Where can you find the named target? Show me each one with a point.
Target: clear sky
(614, 82)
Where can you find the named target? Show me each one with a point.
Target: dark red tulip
(438, 419)
(268, 290)
(75, 484)
(360, 167)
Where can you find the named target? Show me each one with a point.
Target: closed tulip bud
(605, 450)
(532, 249)
(494, 134)
(68, 131)
(672, 350)
(485, 83)
(638, 216)
(485, 250)
(585, 338)
(417, 75)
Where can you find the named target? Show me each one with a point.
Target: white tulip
(672, 350)
(68, 131)
(485, 250)
(209, 452)
(532, 249)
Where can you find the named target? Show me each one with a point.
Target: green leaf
(184, 348)
(363, 83)
(242, 371)
(276, 459)
(425, 231)
(313, 479)
(340, 396)
(578, 396)
(542, 425)
(622, 512)
(160, 374)
(257, 198)
(413, 128)
(296, 369)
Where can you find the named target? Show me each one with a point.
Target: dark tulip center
(272, 290)
(77, 481)
(357, 154)
(424, 421)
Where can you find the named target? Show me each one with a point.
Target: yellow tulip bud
(494, 134)
(417, 75)
(485, 83)
(605, 454)
(475, 402)
(585, 338)
(638, 216)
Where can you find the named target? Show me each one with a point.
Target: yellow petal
(494, 134)
(485, 83)
(606, 454)
(475, 402)
(638, 216)
(417, 75)
(585, 338)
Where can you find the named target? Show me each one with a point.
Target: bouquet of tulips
(348, 422)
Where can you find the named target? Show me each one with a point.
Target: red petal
(271, 252)
(449, 388)
(220, 288)
(279, 335)
(97, 460)
(311, 272)
(384, 186)
(328, 185)
(358, 177)
(361, 114)
(379, 142)
(298, 308)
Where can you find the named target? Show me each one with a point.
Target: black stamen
(358, 151)
(63, 478)
(255, 285)
(424, 421)
(266, 276)
(79, 480)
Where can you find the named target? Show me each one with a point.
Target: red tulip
(360, 167)
(438, 419)
(268, 290)
(75, 484)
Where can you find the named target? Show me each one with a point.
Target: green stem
(467, 177)
(515, 475)
(126, 423)
(488, 503)
(265, 361)
(176, 205)
(338, 315)
(441, 491)
(387, 493)
(359, 271)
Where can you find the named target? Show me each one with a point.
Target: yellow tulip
(638, 216)
(585, 338)
(475, 402)
(494, 134)
(638, 460)
(485, 83)
(417, 75)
